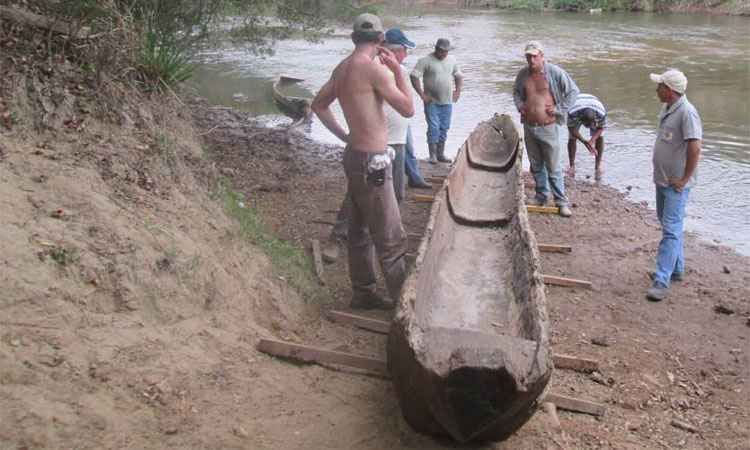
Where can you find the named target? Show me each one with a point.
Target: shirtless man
(543, 93)
(361, 83)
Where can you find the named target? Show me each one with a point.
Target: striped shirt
(583, 102)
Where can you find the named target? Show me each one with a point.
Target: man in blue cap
(396, 40)
(398, 125)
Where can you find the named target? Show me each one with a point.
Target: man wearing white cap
(676, 153)
(543, 94)
(362, 85)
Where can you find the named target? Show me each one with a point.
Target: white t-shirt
(397, 124)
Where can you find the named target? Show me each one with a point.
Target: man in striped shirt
(589, 112)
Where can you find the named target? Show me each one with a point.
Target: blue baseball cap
(396, 36)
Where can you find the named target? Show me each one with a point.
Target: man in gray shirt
(543, 93)
(676, 153)
(440, 72)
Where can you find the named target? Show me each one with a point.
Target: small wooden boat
(297, 108)
(469, 347)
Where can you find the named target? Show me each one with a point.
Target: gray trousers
(399, 187)
(374, 224)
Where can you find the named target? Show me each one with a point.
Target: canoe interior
(469, 348)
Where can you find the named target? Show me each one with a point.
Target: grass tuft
(290, 262)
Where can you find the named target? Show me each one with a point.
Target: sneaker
(657, 292)
(371, 301)
(565, 211)
(432, 160)
(676, 276)
(443, 159)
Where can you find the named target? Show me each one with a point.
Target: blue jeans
(438, 121)
(670, 208)
(410, 161)
(543, 146)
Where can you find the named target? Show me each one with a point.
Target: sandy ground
(131, 319)
(684, 359)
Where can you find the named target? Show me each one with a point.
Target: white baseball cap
(673, 78)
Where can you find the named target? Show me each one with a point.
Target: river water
(608, 55)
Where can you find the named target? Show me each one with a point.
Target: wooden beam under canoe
(576, 405)
(543, 209)
(367, 323)
(309, 354)
(568, 282)
(554, 248)
(421, 198)
(575, 363)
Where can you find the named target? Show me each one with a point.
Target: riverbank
(141, 267)
(726, 7)
(684, 359)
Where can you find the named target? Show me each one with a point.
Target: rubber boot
(433, 152)
(441, 153)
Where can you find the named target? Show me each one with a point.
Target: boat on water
(469, 349)
(297, 108)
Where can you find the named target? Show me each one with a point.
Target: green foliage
(158, 36)
(63, 256)
(163, 62)
(292, 264)
(531, 5)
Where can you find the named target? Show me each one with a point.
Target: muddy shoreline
(683, 359)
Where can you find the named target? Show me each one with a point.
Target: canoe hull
(469, 349)
(296, 108)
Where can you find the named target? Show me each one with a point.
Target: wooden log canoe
(297, 108)
(469, 347)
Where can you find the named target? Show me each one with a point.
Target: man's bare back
(539, 106)
(362, 106)
(361, 83)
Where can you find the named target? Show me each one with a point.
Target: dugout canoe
(469, 349)
(297, 108)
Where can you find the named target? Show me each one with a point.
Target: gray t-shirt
(677, 124)
(437, 77)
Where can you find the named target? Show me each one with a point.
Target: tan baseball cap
(367, 23)
(673, 78)
(533, 48)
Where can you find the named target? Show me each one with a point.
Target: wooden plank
(543, 209)
(554, 248)
(551, 409)
(367, 323)
(318, 261)
(575, 363)
(576, 405)
(309, 354)
(569, 282)
(421, 198)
